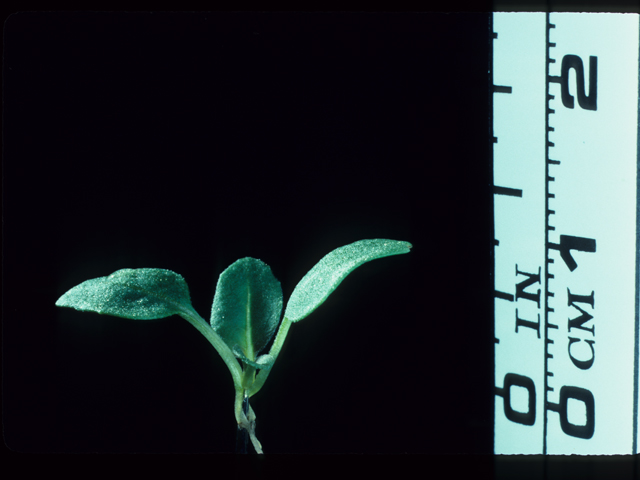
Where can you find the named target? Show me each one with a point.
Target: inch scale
(565, 163)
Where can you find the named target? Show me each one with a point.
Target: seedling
(246, 309)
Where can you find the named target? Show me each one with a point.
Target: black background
(186, 141)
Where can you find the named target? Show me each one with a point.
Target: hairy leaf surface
(247, 306)
(139, 294)
(326, 275)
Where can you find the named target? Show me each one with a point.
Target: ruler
(566, 276)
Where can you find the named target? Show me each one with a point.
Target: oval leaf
(327, 274)
(247, 306)
(140, 294)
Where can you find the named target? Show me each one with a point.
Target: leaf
(262, 362)
(247, 306)
(326, 275)
(139, 294)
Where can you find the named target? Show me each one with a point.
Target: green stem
(248, 377)
(225, 352)
(242, 380)
(274, 352)
(241, 418)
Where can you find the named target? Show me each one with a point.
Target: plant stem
(246, 418)
(225, 352)
(242, 435)
(274, 352)
(242, 380)
(248, 377)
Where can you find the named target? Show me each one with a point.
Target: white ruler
(565, 155)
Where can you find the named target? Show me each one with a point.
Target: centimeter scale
(565, 164)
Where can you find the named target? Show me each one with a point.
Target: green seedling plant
(246, 309)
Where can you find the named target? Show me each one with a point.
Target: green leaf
(326, 275)
(261, 363)
(247, 306)
(140, 294)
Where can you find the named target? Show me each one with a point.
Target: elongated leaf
(326, 275)
(247, 306)
(140, 294)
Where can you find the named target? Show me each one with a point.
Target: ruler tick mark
(511, 192)
(501, 89)
(554, 162)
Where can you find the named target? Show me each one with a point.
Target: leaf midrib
(248, 327)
